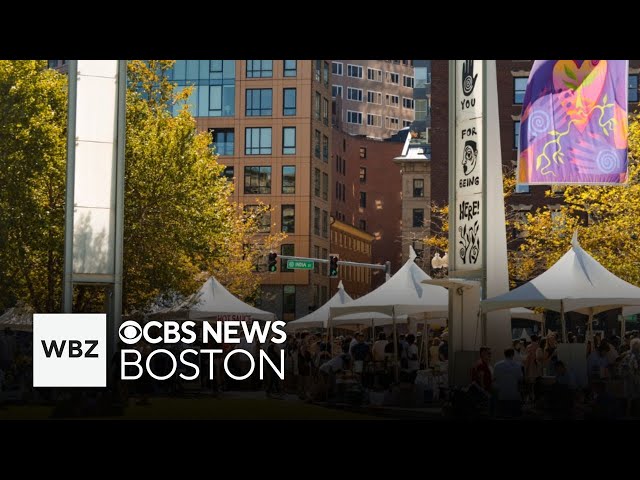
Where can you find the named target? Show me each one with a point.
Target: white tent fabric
(523, 336)
(576, 282)
(320, 318)
(526, 314)
(214, 302)
(402, 294)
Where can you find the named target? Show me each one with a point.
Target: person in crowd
(413, 364)
(518, 355)
(481, 373)
(551, 355)
(443, 348)
(360, 353)
(304, 371)
(630, 370)
(379, 346)
(434, 352)
(626, 344)
(273, 380)
(597, 364)
(508, 375)
(564, 390)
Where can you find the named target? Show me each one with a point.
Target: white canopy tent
(576, 282)
(214, 302)
(402, 294)
(19, 318)
(526, 314)
(320, 317)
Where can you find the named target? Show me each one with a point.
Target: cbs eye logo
(130, 332)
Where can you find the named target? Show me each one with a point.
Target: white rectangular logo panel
(69, 350)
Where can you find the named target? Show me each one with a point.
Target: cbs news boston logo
(69, 350)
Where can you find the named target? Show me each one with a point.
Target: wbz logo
(69, 350)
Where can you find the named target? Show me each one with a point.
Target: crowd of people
(532, 373)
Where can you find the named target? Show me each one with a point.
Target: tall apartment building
(270, 124)
(422, 103)
(372, 97)
(367, 193)
(512, 76)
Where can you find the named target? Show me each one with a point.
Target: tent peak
(574, 239)
(412, 253)
(340, 285)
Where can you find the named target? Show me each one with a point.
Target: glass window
(289, 250)
(317, 72)
(316, 106)
(325, 111)
(316, 182)
(336, 91)
(288, 140)
(407, 103)
(289, 299)
(228, 173)
(288, 179)
(420, 77)
(223, 140)
(289, 218)
(325, 74)
(325, 224)
(259, 68)
(259, 102)
(516, 135)
(418, 187)
(325, 186)
(336, 68)
(316, 220)
(354, 117)
(354, 94)
(325, 148)
(257, 141)
(214, 86)
(362, 225)
(633, 88)
(363, 175)
(257, 180)
(354, 71)
(316, 144)
(407, 81)
(363, 199)
(290, 68)
(418, 217)
(519, 88)
(363, 152)
(264, 222)
(289, 102)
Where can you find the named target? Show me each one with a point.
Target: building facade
(372, 97)
(367, 193)
(354, 245)
(270, 125)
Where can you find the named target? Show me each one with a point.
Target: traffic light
(273, 262)
(333, 265)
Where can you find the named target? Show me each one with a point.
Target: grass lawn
(205, 409)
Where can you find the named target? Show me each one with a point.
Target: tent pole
(591, 327)
(563, 322)
(395, 342)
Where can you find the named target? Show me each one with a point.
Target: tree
(33, 121)
(606, 218)
(179, 222)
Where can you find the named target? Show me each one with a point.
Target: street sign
(300, 264)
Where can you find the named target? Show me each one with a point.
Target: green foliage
(179, 222)
(33, 120)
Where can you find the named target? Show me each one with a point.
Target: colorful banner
(573, 126)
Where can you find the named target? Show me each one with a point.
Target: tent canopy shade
(576, 282)
(402, 294)
(214, 302)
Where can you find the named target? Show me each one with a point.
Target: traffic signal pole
(376, 266)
